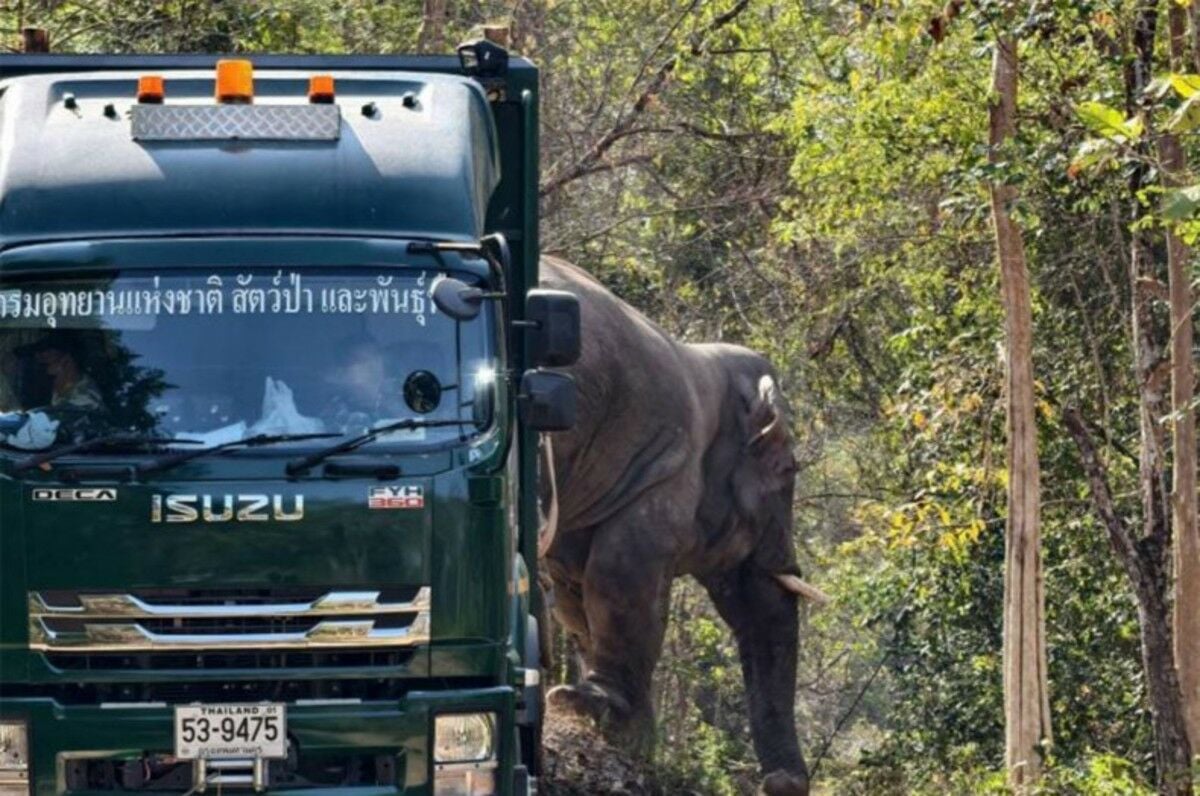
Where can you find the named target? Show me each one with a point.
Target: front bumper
(401, 729)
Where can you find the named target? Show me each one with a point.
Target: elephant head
(764, 485)
(764, 476)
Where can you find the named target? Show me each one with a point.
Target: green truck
(272, 374)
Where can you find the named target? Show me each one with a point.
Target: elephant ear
(764, 477)
(768, 440)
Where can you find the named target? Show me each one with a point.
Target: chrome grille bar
(128, 606)
(108, 623)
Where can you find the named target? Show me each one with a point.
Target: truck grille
(196, 620)
(161, 773)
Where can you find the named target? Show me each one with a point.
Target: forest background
(810, 178)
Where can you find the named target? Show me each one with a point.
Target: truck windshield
(215, 356)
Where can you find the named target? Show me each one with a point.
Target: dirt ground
(579, 762)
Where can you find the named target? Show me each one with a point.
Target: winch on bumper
(344, 746)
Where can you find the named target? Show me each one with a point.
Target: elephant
(680, 463)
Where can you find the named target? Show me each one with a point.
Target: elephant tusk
(806, 590)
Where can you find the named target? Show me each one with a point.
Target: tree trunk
(1183, 384)
(1143, 560)
(432, 36)
(35, 40)
(1026, 692)
(1194, 17)
(1148, 551)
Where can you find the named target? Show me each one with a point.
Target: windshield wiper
(176, 459)
(297, 466)
(109, 441)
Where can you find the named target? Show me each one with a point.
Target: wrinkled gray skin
(680, 464)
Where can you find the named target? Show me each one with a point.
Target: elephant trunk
(768, 653)
(765, 620)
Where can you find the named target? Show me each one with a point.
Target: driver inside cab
(71, 389)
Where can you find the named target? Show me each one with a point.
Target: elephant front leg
(625, 598)
(764, 618)
(566, 586)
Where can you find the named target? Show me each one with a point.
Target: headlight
(464, 737)
(14, 758)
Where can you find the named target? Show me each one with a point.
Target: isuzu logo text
(225, 508)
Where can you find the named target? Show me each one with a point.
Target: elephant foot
(783, 783)
(613, 715)
(585, 700)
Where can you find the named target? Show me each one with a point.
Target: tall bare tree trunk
(1026, 689)
(1186, 623)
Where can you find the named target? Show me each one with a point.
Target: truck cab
(270, 390)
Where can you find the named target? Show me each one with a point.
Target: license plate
(221, 731)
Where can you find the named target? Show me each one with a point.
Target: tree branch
(1122, 539)
(625, 122)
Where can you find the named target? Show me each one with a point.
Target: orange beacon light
(235, 81)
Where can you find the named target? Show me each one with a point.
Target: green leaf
(1182, 203)
(1101, 118)
(1185, 85)
(1107, 121)
(1186, 117)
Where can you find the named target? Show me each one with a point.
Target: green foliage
(1110, 122)
(239, 26)
(1095, 775)
(1181, 204)
(891, 174)
(1101, 775)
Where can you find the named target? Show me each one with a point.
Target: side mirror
(554, 340)
(456, 298)
(547, 400)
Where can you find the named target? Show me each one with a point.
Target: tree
(1026, 690)
(1144, 556)
(1145, 567)
(1186, 532)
